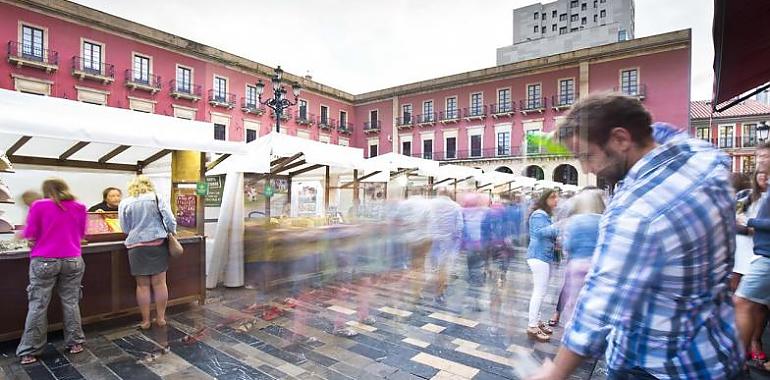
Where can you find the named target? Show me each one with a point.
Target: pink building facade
(479, 118)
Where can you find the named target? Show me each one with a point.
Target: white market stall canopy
(281, 154)
(401, 164)
(545, 184)
(498, 181)
(42, 130)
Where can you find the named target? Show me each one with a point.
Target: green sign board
(202, 188)
(269, 191)
(214, 187)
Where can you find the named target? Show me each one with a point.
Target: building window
(324, 115)
(406, 148)
(534, 96)
(537, 16)
(303, 109)
(726, 136)
(703, 133)
(372, 150)
(563, 17)
(573, 17)
(565, 131)
(583, 21)
(503, 143)
(532, 148)
(602, 1)
(573, 3)
(596, 4)
(220, 132)
(563, 30)
(749, 164)
(476, 105)
(406, 113)
(583, 6)
(92, 57)
(32, 43)
(476, 146)
(596, 18)
(603, 13)
(451, 147)
(451, 108)
(343, 120)
(542, 16)
(504, 100)
(427, 149)
(553, 27)
(622, 35)
(573, 30)
(629, 82)
(251, 97)
(220, 89)
(536, 29)
(427, 111)
(553, 14)
(251, 135)
(543, 30)
(749, 135)
(566, 91)
(141, 69)
(374, 118)
(184, 80)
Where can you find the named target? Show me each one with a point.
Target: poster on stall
(307, 199)
(216, 185)
(254, 199)
(186, 206)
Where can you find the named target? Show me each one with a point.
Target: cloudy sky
(364, 45)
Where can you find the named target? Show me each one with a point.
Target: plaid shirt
(656, 297)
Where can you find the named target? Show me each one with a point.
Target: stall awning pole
(327, 188)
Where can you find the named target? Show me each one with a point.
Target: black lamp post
(763, 130)
(278, 102)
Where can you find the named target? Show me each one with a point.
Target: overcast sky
(364, 45)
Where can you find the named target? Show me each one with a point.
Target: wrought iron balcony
(221, 99)
(252, 106)
(427, 119)
(749, 142)
(285, 115)
(303, 118)
(477, 112)
(185, 90)
(20, 55)
(502, 109)
(449, 116)
(564, 101)
(405, 122)
(345, 128)
(637, 90)
(83, 68)
(324, 122)
(533, 105)
(138, 80)
(372, 126)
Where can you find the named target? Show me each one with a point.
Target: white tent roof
(455, 172)
(261, 152)
(55, 125)
(496, 178)
(549, 184)
(395, 162)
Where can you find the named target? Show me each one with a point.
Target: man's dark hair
(593, 117)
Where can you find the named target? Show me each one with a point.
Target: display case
(103, 226)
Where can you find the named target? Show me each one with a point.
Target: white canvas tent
(502, 182)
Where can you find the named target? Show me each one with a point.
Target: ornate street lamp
(763, 130)
(278, 102)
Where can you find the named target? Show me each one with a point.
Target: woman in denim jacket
(540, 256)
(147, 220)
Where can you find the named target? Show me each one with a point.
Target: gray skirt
(147, 260)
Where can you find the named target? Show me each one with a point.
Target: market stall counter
(108, 289)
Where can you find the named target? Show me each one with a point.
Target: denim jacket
(542, 235)
(581, 235)
(140, 220)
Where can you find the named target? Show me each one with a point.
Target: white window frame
(504, 128)
(448, 135)
(529, 126)
(475, 131)
(539, 99)
(432, 112)
(328, 113)
(150, 66)
(638, 79)
(720, 127)
(456, 110)
(375, 141)
(481, 104)
(20, 34)
(405, 138)
(510, 99)
(427, 136)
(102, 64)
(339, 122)
(192, 77)
(411, 113)
(558, 89)
(214, 85)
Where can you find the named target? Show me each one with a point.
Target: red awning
(741, 47)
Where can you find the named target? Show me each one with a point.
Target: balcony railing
(345, 128)
(449, 116)
(559, 102)
(20, 54)
(138, 80)
(406, 121)
(426, 118)
(638, 90)
(285, 115)
(303, 118)
(221, 99)
(93, 69)
(252, 106)
(325, 122)
(749, 142)
(533, 105)
(502, 109)
(185, 90)
(744, 142)
(478, 112)
(372, 126)
(498, 152)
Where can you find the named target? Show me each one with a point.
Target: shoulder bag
(175, 248)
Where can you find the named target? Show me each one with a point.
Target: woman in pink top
(55, 227)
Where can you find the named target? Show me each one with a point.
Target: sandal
(553, 322)
(756, 355)
(144, 327)
(537, 334)
(28, 359)
(544, 328)
(76, 349)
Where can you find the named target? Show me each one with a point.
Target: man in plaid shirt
(656, 300)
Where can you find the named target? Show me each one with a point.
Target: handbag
(175, 248)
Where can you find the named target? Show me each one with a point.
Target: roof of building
(701, 109)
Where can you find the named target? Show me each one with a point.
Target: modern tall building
(541, 30)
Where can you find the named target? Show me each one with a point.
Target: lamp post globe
(278, 103)
(763, 130)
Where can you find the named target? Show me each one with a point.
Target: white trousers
(541, 272)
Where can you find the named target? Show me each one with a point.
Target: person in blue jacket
(540, 256)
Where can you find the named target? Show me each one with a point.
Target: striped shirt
(656, 296)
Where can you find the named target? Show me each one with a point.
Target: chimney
(308, 76)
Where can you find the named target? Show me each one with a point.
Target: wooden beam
(481, 187)
(461, 180)
(327, 186)
(113, 153)
(402, 171)
(74, 149)
(372, 174)
(305, 170)
(216, 162)
(72, 163)
(442, 181)
(155, 157)
(279, 167)
(17, 145)
(505, 184)
(289, 167)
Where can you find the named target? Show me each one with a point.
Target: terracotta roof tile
(701, 109)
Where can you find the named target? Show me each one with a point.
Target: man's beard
(617, 168)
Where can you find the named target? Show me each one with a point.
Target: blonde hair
(588, 202)
(139, 185)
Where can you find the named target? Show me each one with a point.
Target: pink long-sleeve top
(56, 231)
